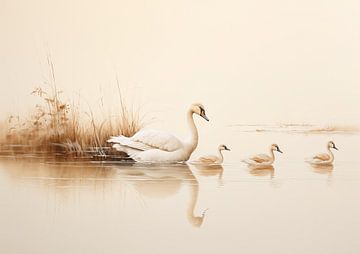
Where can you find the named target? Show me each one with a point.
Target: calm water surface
(72, 207)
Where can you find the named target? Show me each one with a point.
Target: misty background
(254, 62)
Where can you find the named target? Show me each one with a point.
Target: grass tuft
(57, 128)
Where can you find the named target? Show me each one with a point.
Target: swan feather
(149, 139)
(322, 157)
(157, 139)
(208, 159)
(260, 158)
(132, 153)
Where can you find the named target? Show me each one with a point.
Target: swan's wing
(260, 158)
(153, 139)
(322, 157)
(132, 153)
(207, 159)
(122, 142)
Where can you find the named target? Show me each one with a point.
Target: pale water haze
(257, 66)
(74, 207)
(248, 62)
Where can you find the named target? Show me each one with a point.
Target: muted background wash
(248, 62)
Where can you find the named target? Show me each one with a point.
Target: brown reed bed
(56, 128)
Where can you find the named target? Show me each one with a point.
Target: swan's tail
(118, 140)
(317, 162)
(309, 160)
(248, 161)
(121, 144)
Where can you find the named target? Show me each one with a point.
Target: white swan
(324, 158)
(159, 146)
(212, 159)
(262, 160)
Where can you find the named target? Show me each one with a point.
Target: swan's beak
(205, 117)
(227, 149)
(279, 150)
(336, 148)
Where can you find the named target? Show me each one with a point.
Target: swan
(324, 158)
(158, 146)
(213, 159)
(263, 160)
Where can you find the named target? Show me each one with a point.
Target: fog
(246, 61)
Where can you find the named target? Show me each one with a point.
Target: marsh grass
(60, 128)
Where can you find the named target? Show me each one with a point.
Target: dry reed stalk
(56, 127)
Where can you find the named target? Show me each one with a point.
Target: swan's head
(223, 148)
(331, 144)
(276, 148)
(199, 109)
(197, 221)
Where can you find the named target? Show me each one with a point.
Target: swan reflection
(323, 169)
(69, 180)
(326, 169)
(262, 171)
(161, 181)
(210, 170)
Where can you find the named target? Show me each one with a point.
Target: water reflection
(58, 174)
(68, 179)
(262, 171)
(161, 181)
(211, 170)
(324, 170)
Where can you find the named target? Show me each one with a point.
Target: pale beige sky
(247, 61)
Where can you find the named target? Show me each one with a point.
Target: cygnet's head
(331, 144)
(223, 148)
(276, 148)
(199, 109)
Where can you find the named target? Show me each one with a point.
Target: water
(73, 207)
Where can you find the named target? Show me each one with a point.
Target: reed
(58, 128)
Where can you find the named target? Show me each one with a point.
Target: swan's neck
(221, 157)
(272, 155)
(196, 221)
(331, 155)
(194, 136)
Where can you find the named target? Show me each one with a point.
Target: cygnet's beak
(227, 149)
(205, 117)
(278, 149)
(336, 148)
